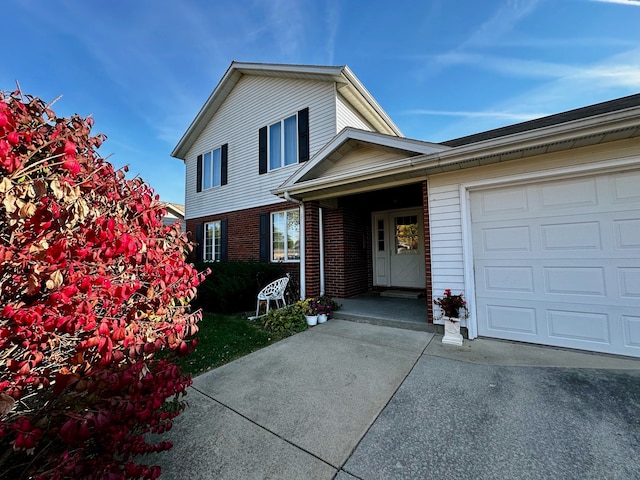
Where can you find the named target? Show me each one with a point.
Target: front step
(385, 322)
(401, 294)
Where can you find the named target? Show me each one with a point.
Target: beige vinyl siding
(348, 117)
(445, 210)
(254, 103)
(362, 157)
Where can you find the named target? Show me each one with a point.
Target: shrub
(93, 286)
(285, 321)
(232, 286)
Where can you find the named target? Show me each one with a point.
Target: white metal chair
(273, 292)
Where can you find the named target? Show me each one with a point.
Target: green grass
(223, 338)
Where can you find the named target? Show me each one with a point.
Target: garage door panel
(627, 233)
(565, 270)
(629, 282)
(584, 281)
(506, 239)
(511, 319)
(509, 278)
(571, 236)
(578, 326)
(580, 193)
(631, 329)
(624, 188)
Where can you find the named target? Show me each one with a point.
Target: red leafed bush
(94, 296)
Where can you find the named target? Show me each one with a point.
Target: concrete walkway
(347, 401)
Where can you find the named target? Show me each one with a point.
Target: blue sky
(440, 68)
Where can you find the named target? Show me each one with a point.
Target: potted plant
(453, 309)
(325, 306)
(309, 308)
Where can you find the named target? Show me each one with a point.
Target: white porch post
(303, 284)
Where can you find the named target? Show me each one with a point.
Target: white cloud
(622, 70)
(633, 3)
(511, 116)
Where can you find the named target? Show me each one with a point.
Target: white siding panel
(256, 102)
(348, 117)
(447, 267)
(361, 157)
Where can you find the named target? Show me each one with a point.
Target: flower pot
(322, 317)
(452, 335)
(311, 320)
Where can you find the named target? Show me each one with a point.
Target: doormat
(401, 294)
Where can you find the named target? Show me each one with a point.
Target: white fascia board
(357, 85)
(320, 70)
(372, 138)
(217, 96)
(388, 170)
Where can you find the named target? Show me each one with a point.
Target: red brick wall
(347, 252)
(312, 248)
(427, 251)
(243, 233)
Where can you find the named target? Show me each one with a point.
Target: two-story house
(538, 223)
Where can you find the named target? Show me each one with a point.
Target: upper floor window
(211, 165)
(285, 236)
(285, 142)
(212, 168)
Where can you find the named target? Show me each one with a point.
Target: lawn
(223, 338)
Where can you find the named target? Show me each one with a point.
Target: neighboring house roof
(175, 212)
(176, 209)
(605, 122)
(348, 85)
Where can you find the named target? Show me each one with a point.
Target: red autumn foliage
(94, 296)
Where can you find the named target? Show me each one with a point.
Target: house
(538, 223)
(174, 213)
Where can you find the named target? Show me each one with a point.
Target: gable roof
(349, 139)
(348, 85)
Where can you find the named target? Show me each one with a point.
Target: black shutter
(264, 237)
(224, 153)
(223, 240)
(303, 135)
(200, 242)
(199, 175)
(262, 150)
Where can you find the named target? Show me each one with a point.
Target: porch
(375, 309)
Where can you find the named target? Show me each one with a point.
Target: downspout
(303, 286)
(321, 245)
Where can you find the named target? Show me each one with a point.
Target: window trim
(285, 258)
(215, 244)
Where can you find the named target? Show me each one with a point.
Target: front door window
(407, 236)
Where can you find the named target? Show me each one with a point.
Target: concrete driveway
(355, 401)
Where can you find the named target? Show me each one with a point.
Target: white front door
(398, 246)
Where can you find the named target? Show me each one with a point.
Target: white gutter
(321, 238)
(303, 286)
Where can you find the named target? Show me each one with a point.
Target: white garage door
(558, 263)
